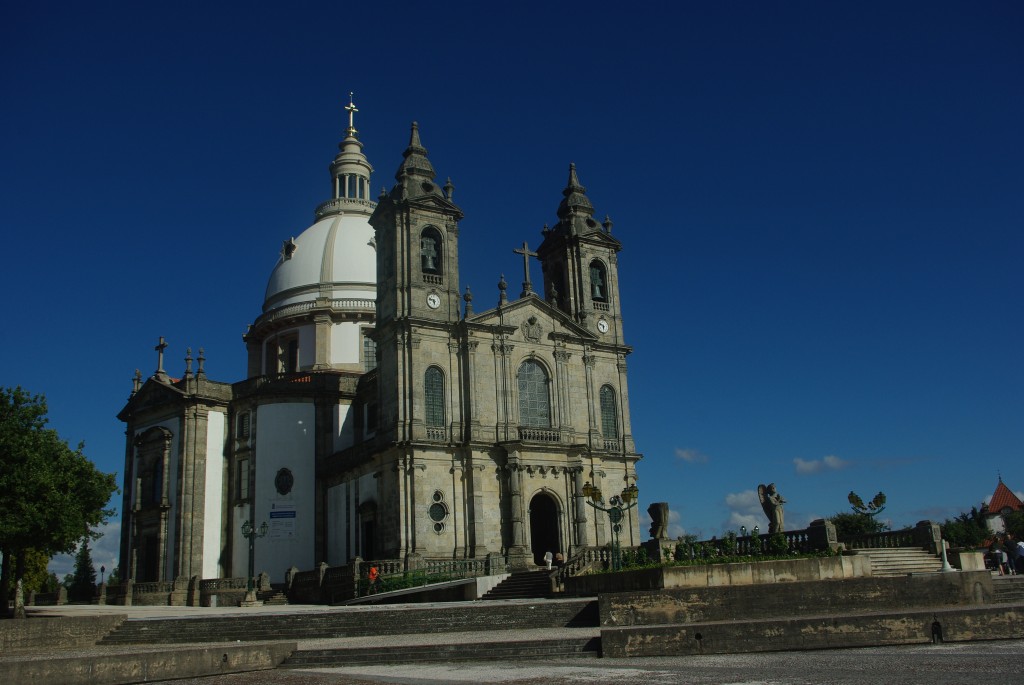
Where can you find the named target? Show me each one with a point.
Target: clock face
(433, 300)
(602, 326)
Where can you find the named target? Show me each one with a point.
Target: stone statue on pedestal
(771, 502)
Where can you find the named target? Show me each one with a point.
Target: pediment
(153, 393)
(518, 313)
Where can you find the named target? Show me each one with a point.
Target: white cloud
(691, 456)
(745, 510)
(829, 463)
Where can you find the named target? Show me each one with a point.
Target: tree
(36, 578)
(52, 495)
(83, 585)
(1015, 523)
(851, 525)
(966, 529)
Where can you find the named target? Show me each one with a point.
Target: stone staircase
(1009, 589)
(359, 622)
(522, 585)
(272, 598)
(899, 561)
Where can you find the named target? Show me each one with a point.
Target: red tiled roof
(1003, 498)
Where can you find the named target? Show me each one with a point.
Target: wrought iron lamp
(618, 506)
(251, 532)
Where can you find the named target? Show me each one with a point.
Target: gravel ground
(949, 664)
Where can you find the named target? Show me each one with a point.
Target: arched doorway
(543, 527)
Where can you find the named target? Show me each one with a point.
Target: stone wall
(66, 631)
(921, 626)
(750, 602)
(713, 575)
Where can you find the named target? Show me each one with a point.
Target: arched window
(534, 403)
(609, 414)
(433, 393)
(430, 251)
(598, 282)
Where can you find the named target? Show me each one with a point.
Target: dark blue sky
(820, 206)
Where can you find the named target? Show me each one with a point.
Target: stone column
(580, 529)
(594, 434)
(518, 556)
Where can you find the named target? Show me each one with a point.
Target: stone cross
(527, 286)
(160, 355)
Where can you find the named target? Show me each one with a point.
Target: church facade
(382, 416)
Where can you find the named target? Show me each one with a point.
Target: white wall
(345, 343)
(284, 439)
(212, 543)
(344, 426)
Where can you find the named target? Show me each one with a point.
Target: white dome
(335, 257)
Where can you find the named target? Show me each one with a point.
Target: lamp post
(103, 572)
(757, 538)
(618, 506)
(250, 531)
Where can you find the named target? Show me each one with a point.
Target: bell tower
(417, 236)
(579, 258)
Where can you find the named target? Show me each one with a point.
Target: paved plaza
(948, 664)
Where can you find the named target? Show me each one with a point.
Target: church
(383, 416)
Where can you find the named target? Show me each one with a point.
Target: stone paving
(948, 664)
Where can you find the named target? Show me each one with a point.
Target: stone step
(899, 561)
(480, 651)
(348, 622)
(523, 585)
(1008, 589)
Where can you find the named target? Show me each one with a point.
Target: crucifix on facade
(527, 286)
(161, 346)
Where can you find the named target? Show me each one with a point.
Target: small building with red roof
(1003, 502)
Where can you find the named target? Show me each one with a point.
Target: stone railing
(333, 584)
(538, 435)
(433, 279)
(339, 204)
(347, 303)
(435, 433)
(926, 535)
(601, 306)
(583, 561)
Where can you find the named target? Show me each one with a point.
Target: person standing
(1010, 545)
(547, 558)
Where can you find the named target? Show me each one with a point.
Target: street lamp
(250, 531)
(618, 506)
(103, 572)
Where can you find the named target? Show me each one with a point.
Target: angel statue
(771, 502)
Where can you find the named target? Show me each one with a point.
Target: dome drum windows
(353, 187)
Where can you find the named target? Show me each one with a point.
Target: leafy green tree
(114, 576)
(36, 577)
(967, 529)
(83, 586)
(1015, 524)
(850, 525)
(52, 495)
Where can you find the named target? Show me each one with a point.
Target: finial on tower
(351, 109)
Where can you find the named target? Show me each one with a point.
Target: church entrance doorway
(543, 527)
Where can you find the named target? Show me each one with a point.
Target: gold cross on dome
(351, 109)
